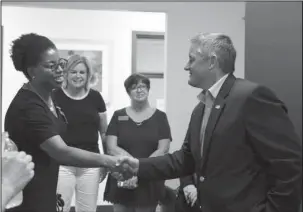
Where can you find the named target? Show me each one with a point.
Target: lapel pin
(217, 106)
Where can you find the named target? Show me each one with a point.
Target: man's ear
(212, 61)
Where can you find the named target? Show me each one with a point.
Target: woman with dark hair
(85, 109)
(138, 131)
(35, 123)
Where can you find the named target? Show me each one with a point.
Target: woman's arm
(41, 131)
(102, 129)
(57, 149)
(163, 147)
(112, 147)
(164, 136)
(112, 138)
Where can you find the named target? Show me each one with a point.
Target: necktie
(208, 101)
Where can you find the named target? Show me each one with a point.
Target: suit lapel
(216, 112)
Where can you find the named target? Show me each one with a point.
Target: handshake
(125, 171)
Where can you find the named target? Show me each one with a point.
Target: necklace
(50, 105)
(138, 123)
(146, 111)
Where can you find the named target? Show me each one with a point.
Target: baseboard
(100, 208)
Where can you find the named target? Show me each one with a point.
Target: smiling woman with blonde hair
(75, 59)
(86, 114)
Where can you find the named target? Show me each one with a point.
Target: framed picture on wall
(98, 55)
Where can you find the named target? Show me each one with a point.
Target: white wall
(184, 19)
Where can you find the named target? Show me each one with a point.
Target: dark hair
(134, 79)
(26, 51)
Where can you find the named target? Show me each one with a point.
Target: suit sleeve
(275, 142)
(178, 164)
(189, 179)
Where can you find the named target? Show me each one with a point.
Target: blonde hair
(92, 75)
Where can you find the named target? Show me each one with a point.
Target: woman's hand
(131, 183)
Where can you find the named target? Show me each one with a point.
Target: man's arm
(163, 147)
(187, 180)
(178, 164)
(169, 166)
(274, 140)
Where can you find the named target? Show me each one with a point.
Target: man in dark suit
(240, 141)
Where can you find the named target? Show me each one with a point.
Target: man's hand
(17, 171)
(124, 167)
(190, 193)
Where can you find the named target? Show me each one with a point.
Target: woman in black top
(85, 111)
(35, 123)
(138, 131)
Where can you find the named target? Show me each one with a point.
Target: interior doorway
(148, 59)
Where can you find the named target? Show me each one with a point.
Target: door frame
(144, 35)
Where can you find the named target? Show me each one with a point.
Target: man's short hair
(218, 44)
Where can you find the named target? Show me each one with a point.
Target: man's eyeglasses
(54, 66)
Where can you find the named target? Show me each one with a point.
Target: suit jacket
(252, 157)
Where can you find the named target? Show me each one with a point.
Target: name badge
(123, 118)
